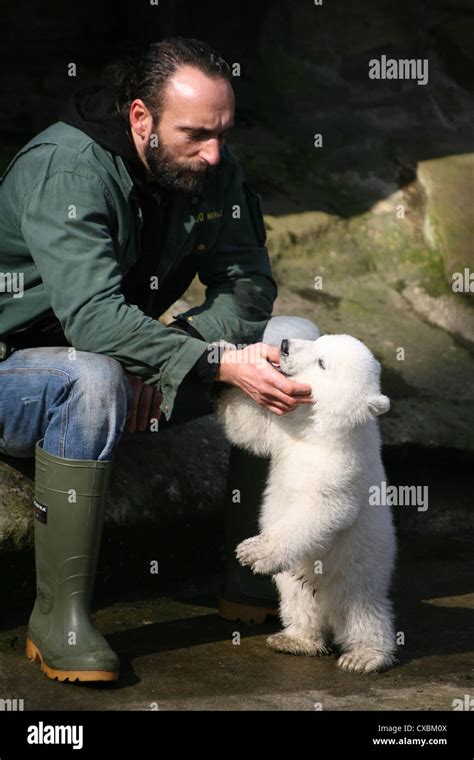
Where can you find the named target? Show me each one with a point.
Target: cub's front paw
(257, 553)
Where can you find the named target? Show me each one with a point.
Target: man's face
(183, 148)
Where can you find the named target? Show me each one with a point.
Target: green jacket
(70, 223)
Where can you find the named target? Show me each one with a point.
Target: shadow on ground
(177, 653)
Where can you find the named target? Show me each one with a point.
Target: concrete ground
(178, 654)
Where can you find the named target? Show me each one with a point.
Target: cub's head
(344, 376)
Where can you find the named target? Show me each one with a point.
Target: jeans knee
(281, 327)
(101, 385)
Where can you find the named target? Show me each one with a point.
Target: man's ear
(378, 405)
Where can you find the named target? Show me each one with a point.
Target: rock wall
(365, 230)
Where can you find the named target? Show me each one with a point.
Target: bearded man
(106, 217)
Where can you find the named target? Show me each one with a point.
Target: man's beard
(168, 174)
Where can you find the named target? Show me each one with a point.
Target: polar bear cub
(330, 551)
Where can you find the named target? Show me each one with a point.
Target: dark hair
(145, 76)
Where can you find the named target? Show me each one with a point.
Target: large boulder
(449, 187)
(170, 477)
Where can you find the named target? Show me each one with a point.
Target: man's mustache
(208, 169)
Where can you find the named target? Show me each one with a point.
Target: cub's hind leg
(365, 633)
(301, 614)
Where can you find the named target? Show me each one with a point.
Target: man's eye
(202, 136)
(321, 363)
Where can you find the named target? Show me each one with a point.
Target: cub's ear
(378, 405)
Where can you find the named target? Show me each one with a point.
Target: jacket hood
(93, 110)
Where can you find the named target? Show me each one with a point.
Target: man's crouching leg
(87, 404)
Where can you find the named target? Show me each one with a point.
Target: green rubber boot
(245, 596)
(69, 515)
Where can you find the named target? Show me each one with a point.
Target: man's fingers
(132, 411)
(273, 406)
(132, 414)
(271, 352)
(301, 391)
(131, 421)
(292, 388)
(273, 394)
(279, 409)
(283, 404)
(144, 405)
(285, 384)
(276, 410)
(142, 411)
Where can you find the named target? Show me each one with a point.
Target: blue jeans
(80, 405)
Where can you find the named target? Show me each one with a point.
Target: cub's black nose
(284, 349)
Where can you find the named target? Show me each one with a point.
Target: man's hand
(250, 370)
(144, 407)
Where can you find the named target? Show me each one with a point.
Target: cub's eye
(321, 363)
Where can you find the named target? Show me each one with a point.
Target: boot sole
(246, 613)
(33, 654)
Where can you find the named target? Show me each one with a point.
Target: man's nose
(211, 153)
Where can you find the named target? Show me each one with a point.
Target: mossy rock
(449, 186)
(16, 508)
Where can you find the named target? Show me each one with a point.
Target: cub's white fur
(331, 553)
